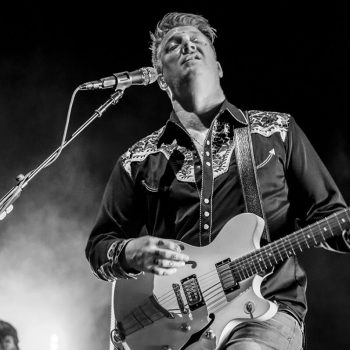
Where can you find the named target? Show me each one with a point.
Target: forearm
(119, 219)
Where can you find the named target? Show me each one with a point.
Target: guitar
(198, 306)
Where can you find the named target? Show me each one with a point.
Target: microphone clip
(123, 80)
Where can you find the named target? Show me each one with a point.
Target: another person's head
(183, 48)
(8, 336)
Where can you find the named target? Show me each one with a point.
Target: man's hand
(155, 255)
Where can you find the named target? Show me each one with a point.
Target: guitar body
(197, 307)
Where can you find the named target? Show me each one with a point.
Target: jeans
(281, 332)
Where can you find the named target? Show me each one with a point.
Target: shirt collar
(173, 124)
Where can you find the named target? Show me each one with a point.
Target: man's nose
(188, 47)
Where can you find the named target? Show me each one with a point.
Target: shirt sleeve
(312, 189)
(120, 218)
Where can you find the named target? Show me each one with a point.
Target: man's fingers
(168, 244)
(168, 264)
(170, 255)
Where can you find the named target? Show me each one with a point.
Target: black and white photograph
(174, 176)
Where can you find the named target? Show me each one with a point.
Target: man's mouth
(190, 58)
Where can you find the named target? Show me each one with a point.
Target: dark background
(281, 56)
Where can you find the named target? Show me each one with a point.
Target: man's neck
(197, 118)
(196, 114)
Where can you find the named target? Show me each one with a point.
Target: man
(8, 336)
(182, 183)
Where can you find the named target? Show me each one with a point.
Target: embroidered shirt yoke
(162, 186)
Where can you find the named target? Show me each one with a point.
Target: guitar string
(246, 265)
(212, 303)
(242, 263)
(204, 291)
(296, 238)
(281, 246)
(133, 322)
(218, 290)
(292, 240)
(163, 304)
(207, 274)
(331, 222)
(220, 302)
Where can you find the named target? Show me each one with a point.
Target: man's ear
(221, 72)
(161, 82)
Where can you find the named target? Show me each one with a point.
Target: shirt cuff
(112, 270)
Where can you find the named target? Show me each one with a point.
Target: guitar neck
(270, 255)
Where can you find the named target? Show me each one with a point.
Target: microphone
(121, 81)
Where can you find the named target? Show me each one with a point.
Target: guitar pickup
(225, 272)
(192, 292)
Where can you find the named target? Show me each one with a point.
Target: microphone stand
(6, 202)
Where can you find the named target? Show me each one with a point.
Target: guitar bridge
(180, 302)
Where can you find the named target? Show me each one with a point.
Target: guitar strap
(248, 174)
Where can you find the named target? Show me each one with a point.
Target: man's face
(8, 343)
(186, 53)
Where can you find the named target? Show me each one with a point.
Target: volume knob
(186, 327)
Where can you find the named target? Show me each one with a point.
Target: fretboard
(270, 255)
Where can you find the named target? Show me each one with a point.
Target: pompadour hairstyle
(178, 19)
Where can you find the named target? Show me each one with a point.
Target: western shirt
(162, 187)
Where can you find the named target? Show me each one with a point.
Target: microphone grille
(150, 75)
